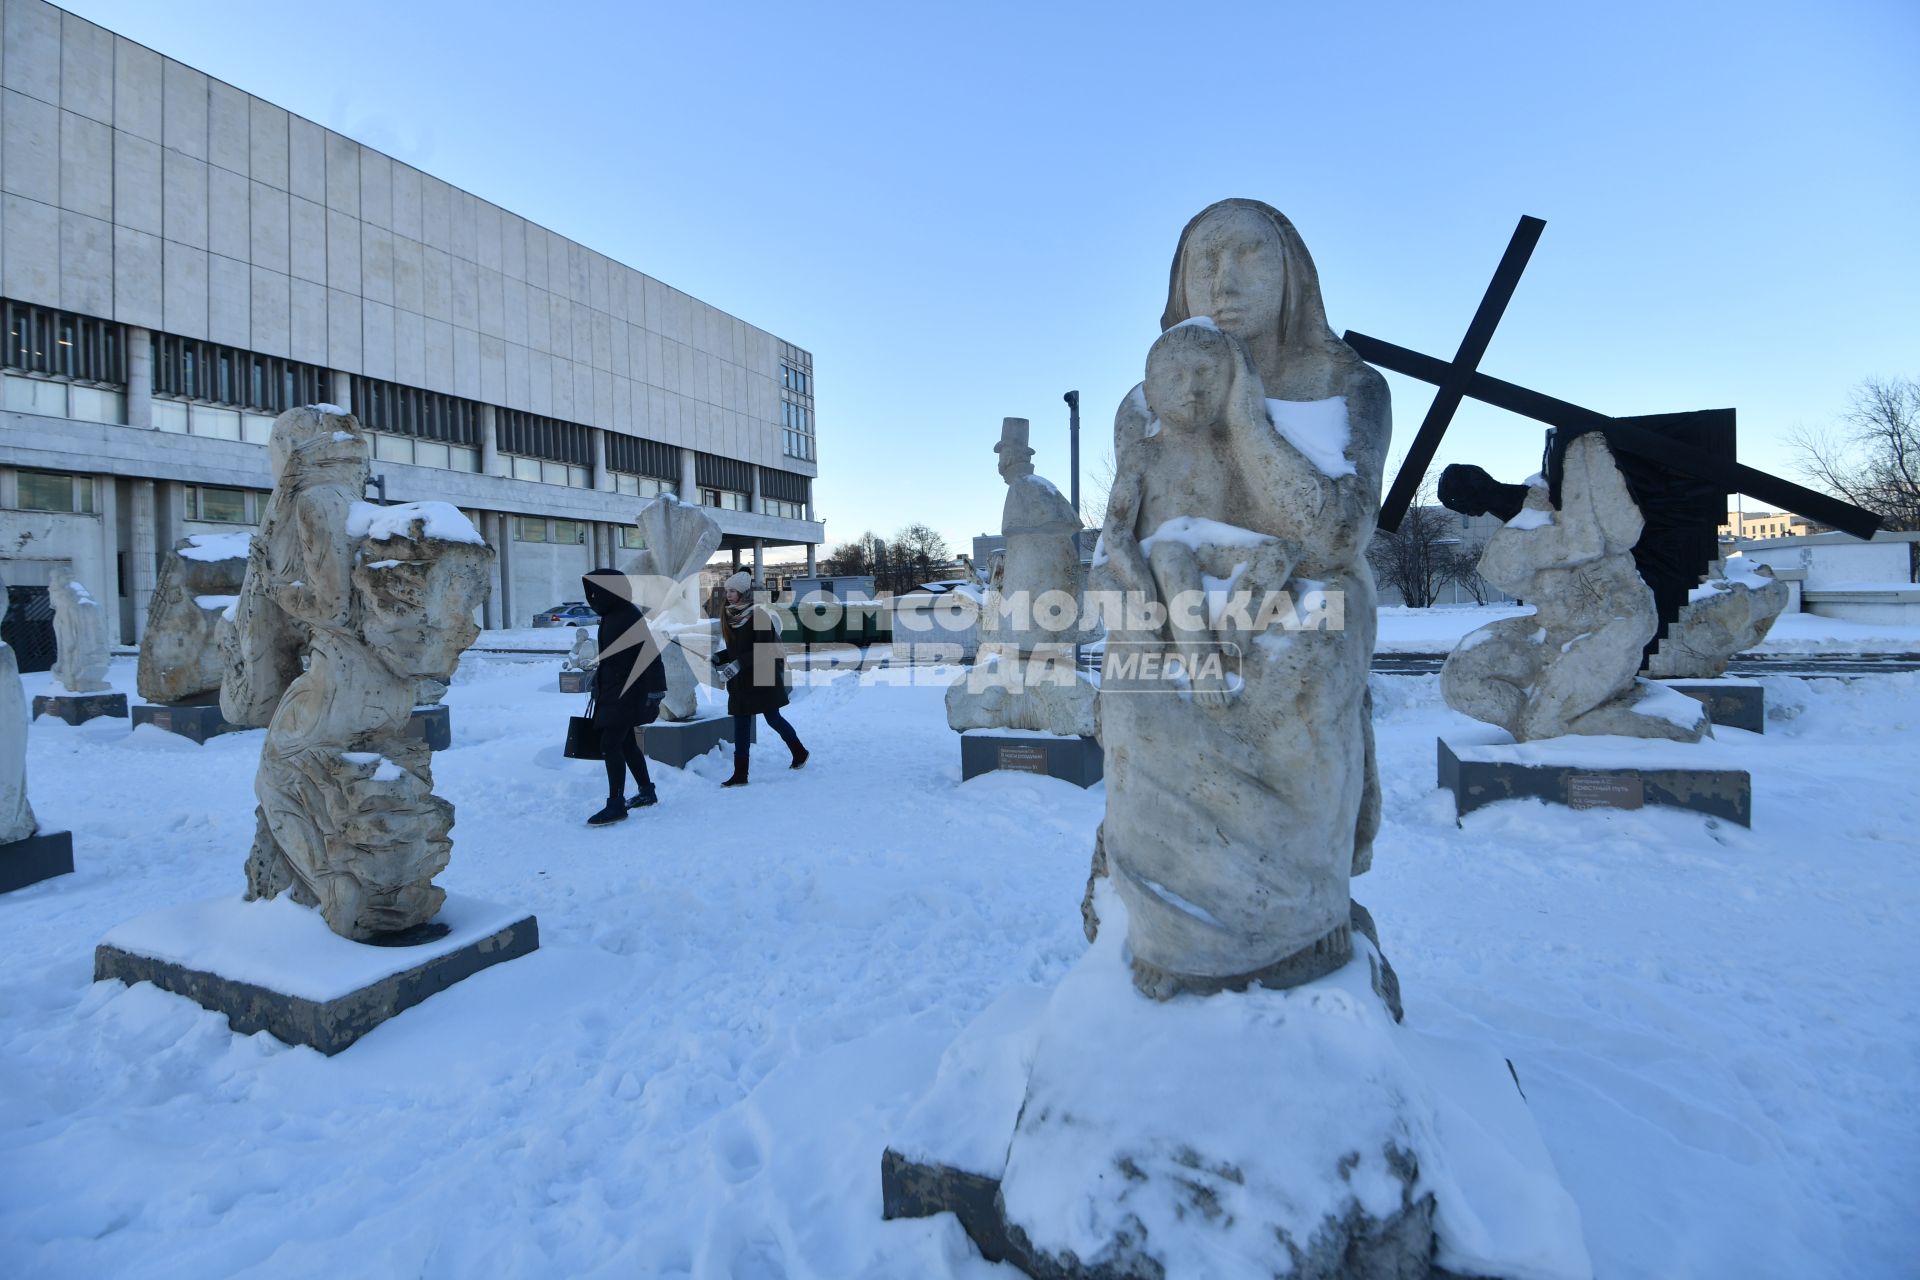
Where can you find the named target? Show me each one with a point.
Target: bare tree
(1874, 460)
(921, 548)
(850, 559)
(1096, 490)
(1463, 567)
(1418, 557)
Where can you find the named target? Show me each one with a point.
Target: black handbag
(583, 737)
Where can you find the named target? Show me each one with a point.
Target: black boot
(645, 796)
(800, 753)
(739, 778)
(614, 812)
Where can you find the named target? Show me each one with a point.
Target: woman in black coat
(758, 685)
(629, 683)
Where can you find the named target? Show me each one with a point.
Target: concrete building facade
(180, 261)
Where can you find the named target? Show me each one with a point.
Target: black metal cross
(1461, 379)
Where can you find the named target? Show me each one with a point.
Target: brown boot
(800, 755)
(739, 778)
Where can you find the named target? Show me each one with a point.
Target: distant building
(183, 261)
(1745, 526)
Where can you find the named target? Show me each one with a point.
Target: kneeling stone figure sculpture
(1571, 666)
(376, 600)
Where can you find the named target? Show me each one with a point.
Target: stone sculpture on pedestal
(678, 538)
(1025, 675)
(80, 633)
(1571, 666)
(376, 599)
(180, 651)
(27, 856)
(1293, 1128)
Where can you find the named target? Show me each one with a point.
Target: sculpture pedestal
(433, 725)
(1483, 766)
(274, 966)
(575, 681)
(679, 742)
(78, 708)
(1057, 755)
(1730, 703)
(1296, 1132)
(195, 720)
(41, 856)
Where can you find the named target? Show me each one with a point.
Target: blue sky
(965, 210)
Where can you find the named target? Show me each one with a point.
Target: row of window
(64, 345)
(54, 491)
(408, 411)
(224, 506)
(190, 369)
(725, 499)
(425, 453)
(796, 379)
(566, 532)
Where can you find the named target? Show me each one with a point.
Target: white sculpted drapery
(1251, 459)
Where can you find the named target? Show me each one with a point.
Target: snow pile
(441, 521)
(333, 409)
(1196, 532)
(1531, 518)
(216, 546)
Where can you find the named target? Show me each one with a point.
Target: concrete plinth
(676, 742)
(78, 708)
(1731, 704)
(1595, 773)
(276, 967)
(195, 720)
(41, 856)
(575, 681)
(1071, 759)
(432, 724)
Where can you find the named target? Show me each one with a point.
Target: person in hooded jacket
(629, 683)
(758, 684)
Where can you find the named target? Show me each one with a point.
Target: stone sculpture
(1571, 666)
(80, 635)
(1248, 464)
(1025, 675)
(180, 652)
(585, 654)
(378, 600)
(678, 539)
(1730, 614)
(16, 815)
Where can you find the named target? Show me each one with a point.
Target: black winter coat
(761, 684)
(616, 694)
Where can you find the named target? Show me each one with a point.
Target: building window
(529, 529)
(784, 493)
(725, 499)
(641, 486)
(222, 506)
(568, 531)
(796, 421)
(543, 449)
(785, 510)
(55, 491)
(631, 539)
(188, 369)
(794, 378)
(61, 344)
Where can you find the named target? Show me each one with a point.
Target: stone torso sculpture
(181, 649)
(80, 633)
(1239, 806)
(678, 539)
(16, 815)
(379, 599)
(1570, 667)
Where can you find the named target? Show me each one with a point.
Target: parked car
(574, 613)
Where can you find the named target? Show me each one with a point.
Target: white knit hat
(741, 583)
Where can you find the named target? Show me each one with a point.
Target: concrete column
(107, 503)
(602, 478)
(503, 567)
(340, 389)
(145, 567)
(689, 479)
(489, 439)
(759, 559)
(813, 561)
(753, 503)
(139, 383)
(736, 559)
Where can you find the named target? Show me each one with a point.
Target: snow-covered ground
(739, 994)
